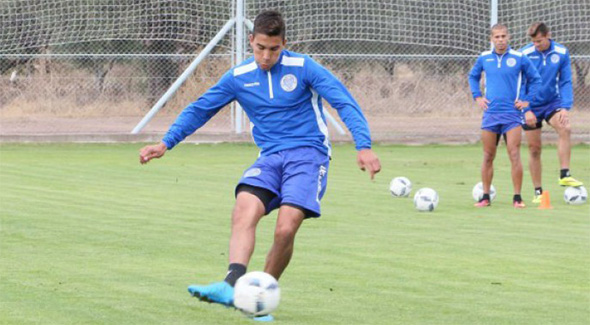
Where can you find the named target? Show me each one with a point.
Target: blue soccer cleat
(218, 292)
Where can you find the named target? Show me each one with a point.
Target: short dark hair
(538, 28)
(270, 23)
(498, 26)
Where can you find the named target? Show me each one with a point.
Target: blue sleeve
(330, 88)
(533, 81)
(199, 112)
(566, 90)
(475, 77)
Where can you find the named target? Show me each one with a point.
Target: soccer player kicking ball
(281, 92)
(502, 106)
(552, 104)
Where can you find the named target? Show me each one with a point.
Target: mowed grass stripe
(93, 193)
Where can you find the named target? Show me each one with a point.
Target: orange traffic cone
(545, 201)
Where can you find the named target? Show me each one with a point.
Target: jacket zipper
(270, 84)
(500, 59)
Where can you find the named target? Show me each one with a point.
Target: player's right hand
(368, 160)
(530, 119)
(482, 102)
(520, 105)
(563, 118)
(148, 153)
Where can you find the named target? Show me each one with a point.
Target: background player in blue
(281, 92)
(504, 69)
(555, 99)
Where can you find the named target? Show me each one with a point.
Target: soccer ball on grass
(257, 293)
(575, 195)
(477, 192)
(400, 187)
(426, 199)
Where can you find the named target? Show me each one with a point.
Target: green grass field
(88, 236)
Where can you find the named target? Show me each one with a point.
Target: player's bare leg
(535, 164)
(563, 129)
(560, 122)
(488, 140)
(247, 213)
(288, 223)
(535, 147)
(513, 139)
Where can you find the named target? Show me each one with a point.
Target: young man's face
(267, 49)
(541, 42)
(500, 39)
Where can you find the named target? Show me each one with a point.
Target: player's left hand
(367, 160)
(520, 105)
(148, 153)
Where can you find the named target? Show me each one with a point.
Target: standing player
(502, 107)
(281, 92)
(555, 98)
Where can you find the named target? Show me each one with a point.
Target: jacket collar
(551, 46)
(507, 50)
(279, 60)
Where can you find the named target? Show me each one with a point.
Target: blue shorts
(543, 112)
(297, 176)
(501, 123)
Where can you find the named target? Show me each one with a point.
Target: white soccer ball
(257, 293)
(477, 192)
(400, 187)
(575, 195)
(426, 199)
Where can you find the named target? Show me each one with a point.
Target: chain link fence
(91, 69)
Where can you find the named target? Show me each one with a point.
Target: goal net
(58, 25)
(97, 66)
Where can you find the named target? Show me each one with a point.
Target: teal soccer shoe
(218, 292)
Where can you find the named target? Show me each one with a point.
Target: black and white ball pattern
(257, 293)
(426, 199)
(575, 195)
(400, 187)
(477, 192)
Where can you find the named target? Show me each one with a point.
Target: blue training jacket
(554, 66)
(503, 78)
(284, 104)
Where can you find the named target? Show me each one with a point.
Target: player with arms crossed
(552, 104)
(502, 106)
(281, 92)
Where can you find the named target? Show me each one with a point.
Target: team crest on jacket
(555, 58)
(252, 172)
(511, 62)
(289, 82)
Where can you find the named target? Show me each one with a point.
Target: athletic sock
(234, 272)
(538, 190)
(565, 173)
(486, 196)
(517, 198)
